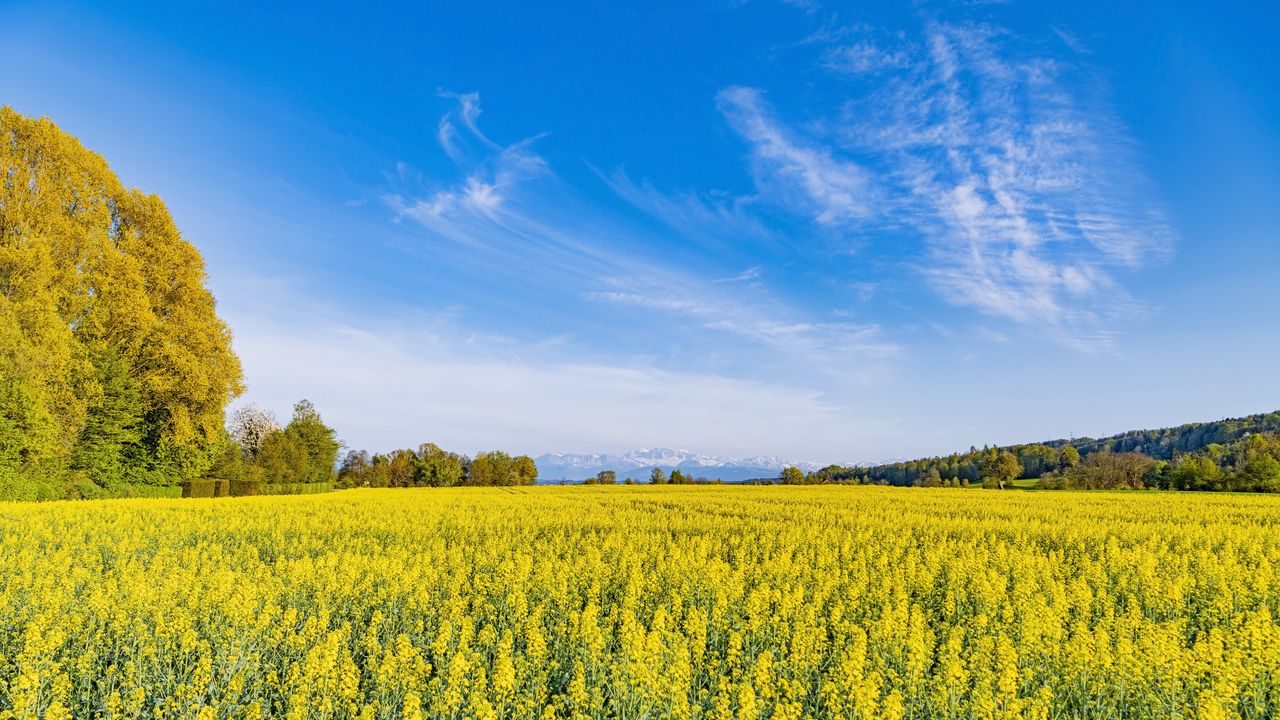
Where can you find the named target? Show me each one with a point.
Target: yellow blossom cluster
(643, 602)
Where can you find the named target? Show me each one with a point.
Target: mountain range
(637, 464)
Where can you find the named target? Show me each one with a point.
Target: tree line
(1167, 443)
(432, 466)
(1182, 458)
(955, 470)
(657, 476)
(1250, 464)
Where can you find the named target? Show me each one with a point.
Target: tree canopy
(114, 365)
(792, 476)
(999, 468)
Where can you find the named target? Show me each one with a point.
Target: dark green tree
(1068, 457)
(435, 467)
(999, 468)
(281, 460)
(353, 472)
(318, 442)
(1196, 471)
(499, 468)
(526, 470)
(228, 461)
(792, 476)
(109, 451)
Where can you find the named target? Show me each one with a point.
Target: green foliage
(490, 468)
(109, 450)
(228, 462)
(30, 428)
(35, 481)
(1168, 443)
(149, 491)
(114, 366)
(295, 488)
(1108, 471)
(657, 477)
(1068, 457)
(431, 466)
(1251, 464)
(395, 469)
(249, 488)
(318, 442)
(241, 488)
(1230, 459)
(435, 467)
(792, 476)
(1197, 472)
(304, 451)
(607, 477)
(499, 468)
(999, 468)
(280, 460)
(355, 468)
(206, 488)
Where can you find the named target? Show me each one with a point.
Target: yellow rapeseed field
(643, 602)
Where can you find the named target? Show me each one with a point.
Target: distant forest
(1238, 454)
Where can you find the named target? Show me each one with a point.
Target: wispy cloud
(804, 175)
(510, 216)
(467, 112)
(866, 56)
(1008, 164)
(845, 349)
(1070, 39)
(752, 273)
(718, 220)
(480, 195)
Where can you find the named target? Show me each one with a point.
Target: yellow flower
(718, 602)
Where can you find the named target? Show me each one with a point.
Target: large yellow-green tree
(114, 366)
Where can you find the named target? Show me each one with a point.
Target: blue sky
(825, 232)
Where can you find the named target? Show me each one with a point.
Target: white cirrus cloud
(803, 175)
(1008, 164)
(719, 221)
(865, 56)
(511, 223)
(853, 352)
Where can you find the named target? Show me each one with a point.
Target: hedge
(242, 488)
(206, 488)
(148, 491)
(296, 488)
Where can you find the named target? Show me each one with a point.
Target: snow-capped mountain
(638, 464)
